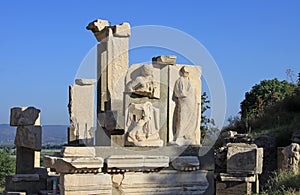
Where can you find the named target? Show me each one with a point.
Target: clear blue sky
(42, 43)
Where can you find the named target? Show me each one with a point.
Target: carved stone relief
(142, 124)
(144, 84)
(186, 110)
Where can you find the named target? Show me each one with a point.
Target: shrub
(282, 183)
(7, 166)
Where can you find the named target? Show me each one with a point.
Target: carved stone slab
(78, 165)
(186, 163)
(81, 110)
(82, 184)
(71, 152)
(184, 104)
(29, 137)
(244, 158)
(164, 182)
(136, 162)
(24, 116)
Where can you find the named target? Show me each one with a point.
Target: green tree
(205, 121)
(7, 166)
(264, 94)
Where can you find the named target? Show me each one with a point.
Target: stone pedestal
(163, 182)
(244, 158)
(82, 184)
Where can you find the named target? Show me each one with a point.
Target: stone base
(233, 188)
(152, 143)
(29, 183)
(124, 163)
(205, 154)
(164, 182)
(82, 184)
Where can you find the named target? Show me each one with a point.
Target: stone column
(28, 138)
(112, 64)
(81, 110)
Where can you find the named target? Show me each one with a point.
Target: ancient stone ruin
(147, 138)
(238, 165)
(30, 178)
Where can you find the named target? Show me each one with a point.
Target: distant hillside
(51, 134)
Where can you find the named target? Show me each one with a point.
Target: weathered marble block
(186, 163)
(81, 110)
(83, 82)
(244, 158)
(85, 152)
(76, 165)
(136, 162)
(23, 116)
(167, 60)
(82, 184)
(29, 137)
(164, 182)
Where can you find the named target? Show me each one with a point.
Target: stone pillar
(112, 64)
(81, 110)
(28, 138)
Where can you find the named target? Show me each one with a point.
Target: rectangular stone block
(186, 163)
(83, 82)
(29, 184)
(134, 162)
(69, 151)
(73, 165)
(244, 158)
(81, 110)
(22, 116)
(70, 184)
(29, 137)
(122, 30)
(236, 177)
(167, 60)
(164, 182)
(233, 188)
(24, 161)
